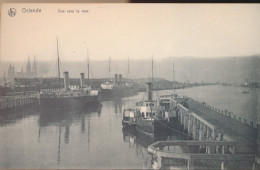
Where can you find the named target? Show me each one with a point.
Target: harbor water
(92, 137)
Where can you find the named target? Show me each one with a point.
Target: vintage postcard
(129, 86)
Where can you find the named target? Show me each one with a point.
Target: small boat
(245, 92)
(129, 118)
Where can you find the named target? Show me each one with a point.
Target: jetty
(18, 100)
(221, 139)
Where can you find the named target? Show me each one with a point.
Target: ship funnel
(149, 91)
(82, 80)
(120, 79)
(116, 79)
(66, 80)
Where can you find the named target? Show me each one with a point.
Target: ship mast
(152, 70)
(109, 67)
(152, 88)
(128, 69)
(58, 62)
(173, 77)
(88, 65)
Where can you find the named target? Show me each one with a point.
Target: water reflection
(118, 106)
(66, 116)
(15, 116)
(64, 119)
(138, 142)
(141, 142)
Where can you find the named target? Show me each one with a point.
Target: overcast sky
(130, 30)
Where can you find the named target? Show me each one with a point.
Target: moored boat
(152, 117)
(117, 88)
(69, 96)
(149, 117)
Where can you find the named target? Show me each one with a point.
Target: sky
(135, 31)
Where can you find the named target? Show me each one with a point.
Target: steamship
(116, 89)
(151, 117)
(69, 96)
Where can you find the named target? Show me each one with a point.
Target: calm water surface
(93, 137)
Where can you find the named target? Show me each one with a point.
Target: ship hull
(152, 127)
(52, 102)
(108, 94)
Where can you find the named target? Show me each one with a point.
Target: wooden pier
(220, 138)
(205, 124)
(15, 101)
(201, 155)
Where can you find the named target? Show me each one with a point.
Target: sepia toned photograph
(130, 86)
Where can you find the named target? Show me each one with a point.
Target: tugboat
(151, 119)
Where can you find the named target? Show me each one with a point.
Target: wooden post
(159, 161)
(181, 117)
(188, 164)
(194, 127)
(189, 123)
(200, 131)
(223, 165)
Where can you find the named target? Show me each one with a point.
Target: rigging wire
(90, 66)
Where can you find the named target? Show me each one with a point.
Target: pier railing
(204, 124)
(242, 119)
